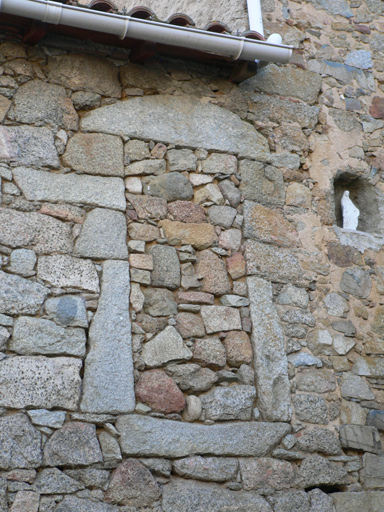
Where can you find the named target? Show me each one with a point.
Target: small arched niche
(365, 196)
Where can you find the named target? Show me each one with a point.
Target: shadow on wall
(365, 196)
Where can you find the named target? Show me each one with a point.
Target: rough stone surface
(311, 408)
(360, 438)
(220, 318)
(373, 473)
(71, 188)
(103, 235)
(54, 481)
(75, 444)
(316, 470)
(23, 262)
(192, 378)
(40, 382)
(159, 392)
(132, 484)
(20, 443)
(222, 215)
(369, 367)
(37, 102)
(286, 82)
(200, 236)
(145, 436)
(293, 501)
(108, 376)
(358, 501)
(212, 269)
(335, 304)
(145, 77)
(20, 296)
(68, 310)
(184, 211)
(166, 267)
(189, 325)
(266, 473)
(318, 439)
(293, 296)
(198, 124)
(210, 469)
(95, 153)
(271, 364)
(44, 418)
(262, 184)
(357, 282)
(40, 336)
(75, 504)
(316, 381)
(171, 186)
(184, 496)
(267, 225)
(354, 386)
(63, 270)
(238, 348)
(210, 352)
(146, 167)
(376, 419)
(44, 234)
(148, 207)
(26, 145)
(267, 261)
(166, 346)
(81, 72)
(110, 448)
(229, 403)
(146, 233)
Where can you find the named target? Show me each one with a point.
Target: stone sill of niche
(360, 240)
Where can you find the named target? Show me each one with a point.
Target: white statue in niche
(350, 212)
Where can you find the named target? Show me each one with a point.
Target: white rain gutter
(124, 26)
(255, 18)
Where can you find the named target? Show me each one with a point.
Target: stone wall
(183, 325)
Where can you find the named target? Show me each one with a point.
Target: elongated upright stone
(108, 377)
(271, 363)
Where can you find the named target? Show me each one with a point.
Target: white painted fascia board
(235, 47)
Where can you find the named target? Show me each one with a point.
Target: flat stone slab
(26, 145)
(20, 296)
(196, 124)
(40, 382)
(145, 436)
(20, 443)
(41, 232)
(71, 188)
(371, 501)
(64, 270)
(184, 496)
(40, 336)
(108, 385)
(271, 365)
(271, 262)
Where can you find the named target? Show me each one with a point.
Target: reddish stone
(195, 298)
(238, 347)
(214, 272)
(236, 265)
(148, 207)
(64, 211)
(142, 261)
(377, 108)
(159, 392)
(190, 325)
(184, 211)
(132, 484)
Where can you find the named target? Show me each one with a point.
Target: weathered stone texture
(266, 473)
(197, 124)
(108, 375)
(200, 236)
(171, 186)
(26, 145)
(71, 188)
(182, 496)
(20, 443)
(166, 346)
(220, 318)
(68, 271)
(159, 392)
(145, 436)
(85, 72)
(262, 184)
(166, 267)
(210, 469)
(75, 444)
(37, 103)
(229, 403)
(271, 363)
(103, 235)
(267, 261)
(20, 296)
(212, 269)
(75, 504)
(95, 153)
(40, 382)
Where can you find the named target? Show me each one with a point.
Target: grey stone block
(166, 267)
(54, 481)
(108, 376)
(20, 443)
(145, 436)
(40, 382)
(229, 403)
(68, 310)
(360, 438)
(63, 271)
(371, 501)
(271, 365)
(103, 235)
(210, 469)
(20, 296)
(373, 472)
(71, 188)
(75, 504)
(198, 124)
